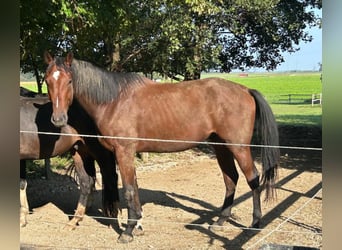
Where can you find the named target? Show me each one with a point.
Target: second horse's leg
(24, 207)
(86, 182)
(230, 176)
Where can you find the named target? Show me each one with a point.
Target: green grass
(277, 86)
(33, 86)
(277, 83)
(298, 115)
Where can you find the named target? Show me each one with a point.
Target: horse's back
(190, 111)
(189, 98)
(201, 88)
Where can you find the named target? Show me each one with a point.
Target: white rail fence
(316, 98)
(298, 99)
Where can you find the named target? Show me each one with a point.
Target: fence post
(313, 99)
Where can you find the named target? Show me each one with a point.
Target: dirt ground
(181, 194)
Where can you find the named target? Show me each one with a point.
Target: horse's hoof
(215, 227)
(70, 227)
(23, 220)
(255, 225)
(138, 231)
(125, 238)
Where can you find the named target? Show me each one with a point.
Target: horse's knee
(87, 185)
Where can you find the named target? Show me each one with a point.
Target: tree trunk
(192, 76)
(39, 83)
(112, 46)
(116, 66)
(36, 74)
(197, 61)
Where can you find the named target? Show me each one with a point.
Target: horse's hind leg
(243, 156)
(86, 182)
(230, 176)
(110, 192)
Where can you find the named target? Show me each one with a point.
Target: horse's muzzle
(59, 120)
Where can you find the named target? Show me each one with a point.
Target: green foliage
(256, 36)
(37, 169)
(173, 38)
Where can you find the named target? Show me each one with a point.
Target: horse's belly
(171, 137)
(165, 146)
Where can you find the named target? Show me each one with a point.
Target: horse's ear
(47, 57)
(69, 58)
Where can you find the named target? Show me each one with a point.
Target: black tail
(267, 134)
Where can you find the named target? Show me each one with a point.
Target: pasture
(182, 192)
(277, 86)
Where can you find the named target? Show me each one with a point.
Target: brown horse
(33, 113)
(135, 115)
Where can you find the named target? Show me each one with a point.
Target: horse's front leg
(125, 158)
(24, 207)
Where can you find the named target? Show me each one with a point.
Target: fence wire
(172, 141)
(270, 231)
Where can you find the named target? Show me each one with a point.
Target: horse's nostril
(59, 121)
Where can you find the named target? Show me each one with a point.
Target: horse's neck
(95, 111)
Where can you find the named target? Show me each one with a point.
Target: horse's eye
(70, 81)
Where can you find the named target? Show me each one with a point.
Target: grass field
(275, 84)
(275, 87)
(33, 86)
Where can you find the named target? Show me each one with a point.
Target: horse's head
(58, 79)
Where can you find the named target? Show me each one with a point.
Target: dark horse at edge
(128, 105)
(84, 151)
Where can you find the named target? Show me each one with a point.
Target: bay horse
(33, 113)
(134, 114)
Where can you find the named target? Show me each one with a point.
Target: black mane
(99, 85)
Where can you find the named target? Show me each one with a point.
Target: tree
(178, 39)
(33, 30)
(256, 37)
